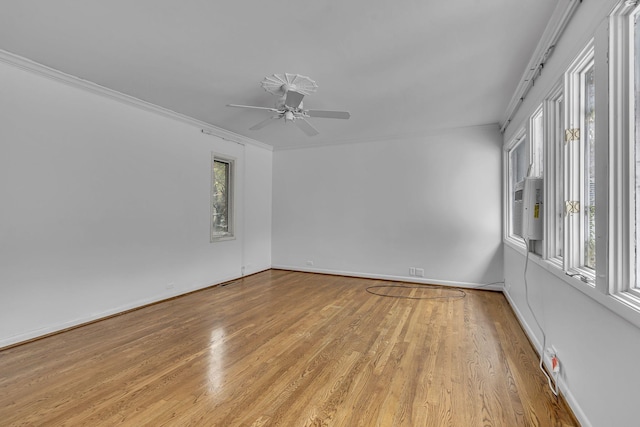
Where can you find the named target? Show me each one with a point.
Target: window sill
(624, 304)
(628, 299)
(516, 244)
(222, 239)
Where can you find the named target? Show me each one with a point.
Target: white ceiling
(403, 68)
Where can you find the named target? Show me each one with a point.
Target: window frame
(634, 146)
(519, 138)
(230, 233)
(536, 163)
(536, 136)
(554, 177)
(574, 167)
(622, 269)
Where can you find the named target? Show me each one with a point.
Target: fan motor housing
(280, 103)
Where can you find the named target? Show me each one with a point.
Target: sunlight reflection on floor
(217, 349)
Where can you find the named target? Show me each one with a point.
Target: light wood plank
(287, 348)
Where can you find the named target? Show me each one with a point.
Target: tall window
(537, 142)
(589, 185)
(635, 120)
(623, 177)
(559, 205)
(554, 130)
(517, 167)
(580, 183)
(536, 162)
(518, 160)
(221, 198)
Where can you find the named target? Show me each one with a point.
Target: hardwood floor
(288, 349)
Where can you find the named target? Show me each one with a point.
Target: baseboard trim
(39, 334)
(421, 280)
(59, 328)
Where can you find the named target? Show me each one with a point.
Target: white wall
(258, 210)
(598, 349)
(378, 208)
(103, 204)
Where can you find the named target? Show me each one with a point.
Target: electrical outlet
(420, 272)
(310, 263)
(412, 271)
(552, 359)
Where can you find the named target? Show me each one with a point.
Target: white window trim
(574, 163)
(536, 156)
(553, 173)
(230, 235)
(508, 237)
(537, 143)
(621, 167)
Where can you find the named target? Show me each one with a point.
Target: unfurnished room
(318, 213)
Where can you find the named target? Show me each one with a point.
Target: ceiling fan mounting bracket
(280, 84)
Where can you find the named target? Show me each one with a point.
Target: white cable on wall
(559, 21)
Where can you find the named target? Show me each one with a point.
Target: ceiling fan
(290, 89)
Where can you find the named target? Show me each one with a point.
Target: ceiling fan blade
(329, 114)
(264, 123)
(294, 99)
(306, 127)
(252, 107)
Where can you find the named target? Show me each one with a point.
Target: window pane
(636, 110)
(519, 162)
(559, 168)
(589, 210)
(221, 174)
(517, 171)
(537, 141)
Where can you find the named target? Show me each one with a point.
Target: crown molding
(68, 79)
